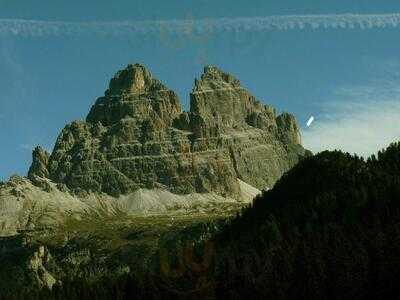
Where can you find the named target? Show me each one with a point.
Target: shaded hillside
(329, 229)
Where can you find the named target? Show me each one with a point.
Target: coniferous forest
(329, 229)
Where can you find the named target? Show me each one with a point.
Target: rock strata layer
(137, 136)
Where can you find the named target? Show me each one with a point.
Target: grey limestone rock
(137, 136)
(40, 160)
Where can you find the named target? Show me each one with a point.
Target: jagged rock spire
(40, 161)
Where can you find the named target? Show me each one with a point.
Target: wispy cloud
(365, 122)
(32, 28)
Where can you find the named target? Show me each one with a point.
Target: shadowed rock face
(136, 136)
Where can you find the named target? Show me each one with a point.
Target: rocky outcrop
(40, 161)
(136, 136)
(28, 205)
(37, 264)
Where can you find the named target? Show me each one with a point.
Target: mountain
(145, 201)
(139, 152)
(122, 190)
(136, 136)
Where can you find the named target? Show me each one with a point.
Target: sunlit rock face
(136, 136)
(134, 93)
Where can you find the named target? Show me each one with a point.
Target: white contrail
(31, 28)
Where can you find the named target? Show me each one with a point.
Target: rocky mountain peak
(136, 136)
(134, 93)
(221, 105)
(134, 79)
(213, 78)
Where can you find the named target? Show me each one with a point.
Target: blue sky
(347, 78)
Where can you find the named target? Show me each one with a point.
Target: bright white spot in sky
(310, 120)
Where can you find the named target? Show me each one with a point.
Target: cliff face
(136, 136)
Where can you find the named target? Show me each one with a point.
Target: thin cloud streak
(32, 28)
